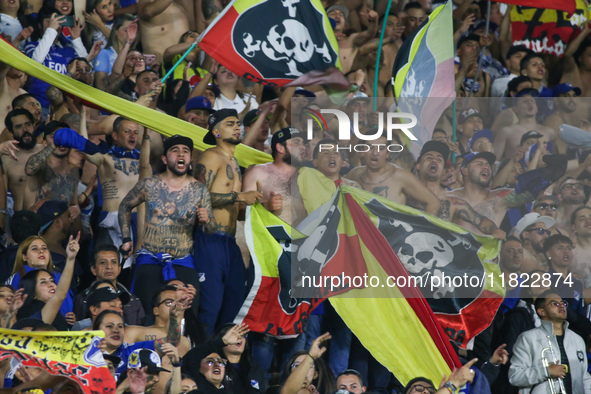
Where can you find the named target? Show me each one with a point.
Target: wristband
(126, 240)
(450, 386)
(179, 364)
(311, 357)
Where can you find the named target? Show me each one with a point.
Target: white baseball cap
(532, 218)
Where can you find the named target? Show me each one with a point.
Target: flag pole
(169, 73)
(481, 52)
(377, 71)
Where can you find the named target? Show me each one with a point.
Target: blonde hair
(19, 263)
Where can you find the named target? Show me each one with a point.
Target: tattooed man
(50, 175)
(118, 172)
(21, 124)
(175, 202)
(218, 258)
(430, 166)
(493, 204)
(387, 180)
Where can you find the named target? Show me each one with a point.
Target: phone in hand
(149, 59)
(69, 21)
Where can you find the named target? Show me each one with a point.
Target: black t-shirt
(568, 382)
(33, 310)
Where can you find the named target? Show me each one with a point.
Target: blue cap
(214, 89)
(484, 133)
(199, 102)
(525, 92)
(305, 93)
(565, 88)
(489, 157)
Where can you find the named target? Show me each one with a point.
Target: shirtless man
(20, 123)
(571, 194)
(532, 229)
(118, 172)
(476, 170)
(220, 265)
(175, 203)
(581, 235)
(508, 138)
(577, 62)
(161, 303)
(547, 206)
(431, 166)
(274, 180)
(161, 23)
(349, 45)
(566, 107)
(10, 88)
(50, 175)
(386, 180)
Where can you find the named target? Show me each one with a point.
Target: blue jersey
(57, 59)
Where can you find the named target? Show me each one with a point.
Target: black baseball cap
(52, 126)
(435, 146)
(282, 135)
(469, 37)
(530, 134)
(216, 118)
(51, 210)
(517, 48)
(470, 157)
(251, 117)
(104, 294)
(140, 358)
(112, 358)
(178, 140)
(28, 322)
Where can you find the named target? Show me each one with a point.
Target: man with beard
(21, 124)
(511, 257)
(508, 138)
(571, 194)
(274, 180)
(430, 166)
(532, 229)
(50, 175)
(220, 265)
(476, 169)
(581, 225)
(175, 202)
(385, 179)
(565, 113)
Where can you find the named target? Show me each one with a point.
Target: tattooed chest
(487, 209)
(173, 207)
(58, 187)
(444, 209)
(127, 166)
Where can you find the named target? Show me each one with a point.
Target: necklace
(225, 154)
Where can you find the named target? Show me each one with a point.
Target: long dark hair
(172, 102)
(29, 285)
(324, 383)
(245, 359)
(44, 13)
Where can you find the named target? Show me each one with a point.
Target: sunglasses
(218, 361)
(541, 231)
(545, 206)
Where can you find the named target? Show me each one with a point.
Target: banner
(157, 121)
(567, 6)
(70, 354)
(423, 73)
(546, 30)
(276, 43)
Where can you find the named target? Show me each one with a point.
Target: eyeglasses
(296, 364)
(545, 206)
(218, 361)
(558, 303)
(167, 302)
(420, 388)
(541, 231)
(577, 186)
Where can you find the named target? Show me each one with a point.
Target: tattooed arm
(211, 226)
(464, 211)
(135, 197)
(210, 8)
(513, 200)
(174, 329)
(39, 160)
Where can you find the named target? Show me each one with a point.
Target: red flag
(568, 6)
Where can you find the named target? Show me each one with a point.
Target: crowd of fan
(74, 177)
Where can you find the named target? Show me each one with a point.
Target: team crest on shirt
(580, 355)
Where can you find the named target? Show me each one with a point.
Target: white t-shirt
(238, 103)
(10, 26)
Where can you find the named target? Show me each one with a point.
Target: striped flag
(423, 73)
(74, 355)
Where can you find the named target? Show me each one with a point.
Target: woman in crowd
(99, 17)
(46, 49)
(307, 369)
(34, 254)
(122, 39)
(43, 296)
